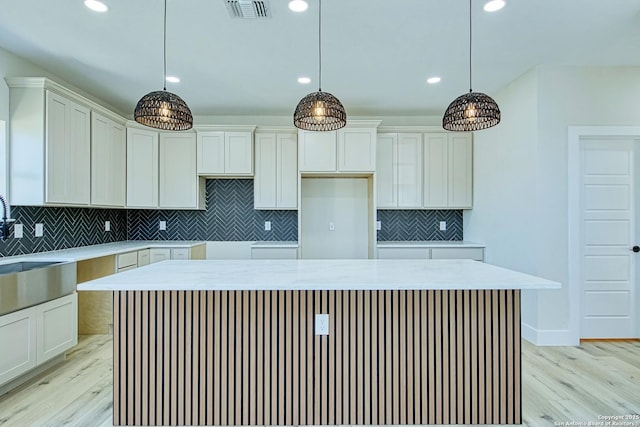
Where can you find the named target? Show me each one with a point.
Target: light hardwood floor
(559, 384)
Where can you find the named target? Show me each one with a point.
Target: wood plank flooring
(559, 384)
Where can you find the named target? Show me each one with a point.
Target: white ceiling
(377, 54)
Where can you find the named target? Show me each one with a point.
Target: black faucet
(4, 227)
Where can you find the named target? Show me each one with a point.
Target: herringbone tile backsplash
(229, 217)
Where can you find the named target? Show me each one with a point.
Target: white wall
(532, 212)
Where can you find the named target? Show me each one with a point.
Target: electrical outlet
(107, 226)
(378, 225)
(163, 225)
(322, 324)
(18, 231)
(332, 226)
(267, 225)
(39, 231)
(443, 225)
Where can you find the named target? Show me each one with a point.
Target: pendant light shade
(471, 111)
(319, 111)
(161, 109)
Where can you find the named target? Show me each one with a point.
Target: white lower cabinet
(423, 252)
(163, 254)
(34, 335)
(404, 253)
(458, 253)
(274, 253)
(144, 257)
(180, 253)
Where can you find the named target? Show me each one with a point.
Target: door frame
(574, 237)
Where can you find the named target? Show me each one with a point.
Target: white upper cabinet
(224, 153)
(108, 162)
(179, 184)
(399, 171)
(142, 168)
(350, 149)
(276, 176)
(448, 177)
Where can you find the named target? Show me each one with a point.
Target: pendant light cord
(164, 54)
(319, 45)
(470, 86)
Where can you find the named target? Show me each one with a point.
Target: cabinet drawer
(403, 253)
(458, 253)
(180, 253)
(274, 253)
(127, 260)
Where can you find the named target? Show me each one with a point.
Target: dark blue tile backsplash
(229, 217)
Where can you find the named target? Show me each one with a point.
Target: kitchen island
(235, 342)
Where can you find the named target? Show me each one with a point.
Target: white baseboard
(548, 337)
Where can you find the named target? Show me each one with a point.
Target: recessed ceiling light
(304, 80)
(433, 80)
(96, 6)
(298, 5)
(173, 79)
(494, 5)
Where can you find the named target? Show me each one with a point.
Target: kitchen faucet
(4, 227)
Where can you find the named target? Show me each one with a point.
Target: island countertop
(368, 274)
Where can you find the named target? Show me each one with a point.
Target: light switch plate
(107, 226)
(267, 225)
(39, 230)
(332, 226)
(18, 231)
(443, 225)
(163, 225)
(378, 225)
(322, 324)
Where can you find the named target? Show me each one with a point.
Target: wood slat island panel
(251, 357)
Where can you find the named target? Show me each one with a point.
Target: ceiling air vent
(248, 9)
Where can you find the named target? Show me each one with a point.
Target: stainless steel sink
(27, 283)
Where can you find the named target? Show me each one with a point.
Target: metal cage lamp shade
(471, 111)
(320, 111)
(161, 109)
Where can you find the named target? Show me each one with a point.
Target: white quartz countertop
(97, 251)
(370, 274)
(429, 244)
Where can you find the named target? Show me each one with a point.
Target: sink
(19, 266)
(27, 283)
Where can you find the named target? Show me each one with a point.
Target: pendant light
(161, 109)
(473, 110)
(319, 111)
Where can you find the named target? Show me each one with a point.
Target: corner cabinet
(224, 153)
(108, 162)
(49, 146)
(161, 170)
(275, 184)
(351, 149)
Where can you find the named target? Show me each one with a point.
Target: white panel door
(17, 343)
(460, 180)
(108, 162)
(317, 151)
(178, 180)
(409, 158)
(335, 218)
(210, 153)
(238, 152)
(264, 182)
(436, 170)
(356, 150)
(609, 283)
(287, 171)
(386, 171)
(142, 168)
(57, 329)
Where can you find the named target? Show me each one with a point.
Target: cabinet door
(68, 148)
(386, 171)
(142, 168)
(460, 195)
(287, 171)
(238, 152)
(57, 328)
(178, 177)
(159, 254)
(264, 183)
(458, 253)
(356, 150)
(436, 170)
(409, 166)
(180, 253)
(17, 344)
(108, 160)
(211, 153)
(317, 151)
(143, 257)
(403, 253)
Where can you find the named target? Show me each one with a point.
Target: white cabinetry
(179, 185)
(163, 254)
(34, 335)
(221, 153)
(276, 175)
(49, 146)
(399, 171)
(448, 171)
(284, 252)
(350, 149)
(161, 170)
(108, 162)
(144, 257)
(430, 252)
(142, 168)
